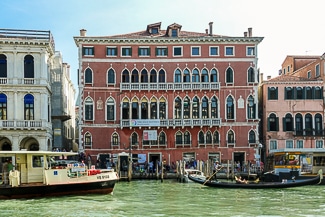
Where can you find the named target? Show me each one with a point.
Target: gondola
(260, 185)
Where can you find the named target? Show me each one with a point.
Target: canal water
(171, 198)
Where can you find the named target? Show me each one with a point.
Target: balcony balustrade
(177, 122)
(169, 86)
(26, 124)
(309, 132)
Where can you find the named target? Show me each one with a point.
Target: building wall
(99, 91)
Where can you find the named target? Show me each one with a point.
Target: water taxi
(36, 174)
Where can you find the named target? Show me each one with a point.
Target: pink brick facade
(188, 94)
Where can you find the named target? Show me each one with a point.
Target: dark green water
(170, 198)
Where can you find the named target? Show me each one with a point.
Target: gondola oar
(212, 175)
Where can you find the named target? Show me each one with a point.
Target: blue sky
(290, 27)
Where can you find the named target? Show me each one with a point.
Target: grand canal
(170, 198)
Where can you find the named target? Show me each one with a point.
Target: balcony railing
(309, 132)
(177, 122)
(27, 124)
(169, 86)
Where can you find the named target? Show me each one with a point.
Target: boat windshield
(287, 159)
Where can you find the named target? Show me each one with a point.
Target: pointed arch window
(177, 76)
(178, 108)
(162, 109)
(115, 139)
(3, 66)
(230, 108)
(89, 108)
(88, 141)
(229, 76)
(214, 75)
(251, 75)
(144, 110)
(186, 76)
(205, 108)
(214, 107)
(187, 138)
(251, 108)
(162, 138)
(135, 110)
(162, 78)
(29, 107)
(204, 76)
(88, 76)
(135, 76)
(111, 76)
(125, 110)
(201, 137)
(29, 66)
(195, 75)
(153, 76)
(144, 76)
(134, 139)
(208, 138)
(3, 106)
(125, 76)
(252, 137)
(230, 137)
(195, 108)
(179, 138)
(187, 108)
(309, 93)
(215, 137)
(153, 109)
(110, 107)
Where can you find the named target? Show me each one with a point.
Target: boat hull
(260, 185)
(42, 190)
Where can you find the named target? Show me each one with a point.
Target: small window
(289, 144)
(195, 51)
(289, 93)
(317, 71)
(174, 32)
(309, 74)
(319, 144)
(126, 51)
(300, 144)
(144, 51)
(111, 51)
(88, 51)
(154, 30)
(214, 51)
(273, 144)
(161, 51)
(273, 93)
(229, 51)
(250, 51)
(37, 161)
(178, 51)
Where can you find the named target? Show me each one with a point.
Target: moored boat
(260, 184)
(36, 174)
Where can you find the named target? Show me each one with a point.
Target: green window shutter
(149, 51)
(116, 52)
(130, 51)
(93, 51)
(285, 93)
(268, 93)
(156, 50)
(139, 51)
(166, 51)
(276, 89)
(268, 124)
(277, 124)
(284, 124)
(83, 51)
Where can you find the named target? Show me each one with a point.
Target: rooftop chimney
(210, 28)
(83, 32)
(245, 34)
(206, 31)
(268, 77)
(250, 32)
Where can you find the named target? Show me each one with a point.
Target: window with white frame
(126, 51)
(229, 51)
(177, 51)
(300, 144)
(319, 144)
(214, 51)
(111, 51)
(289, 144)
(250, 51)
(273, 145)
(317, 70)
(195, 51)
